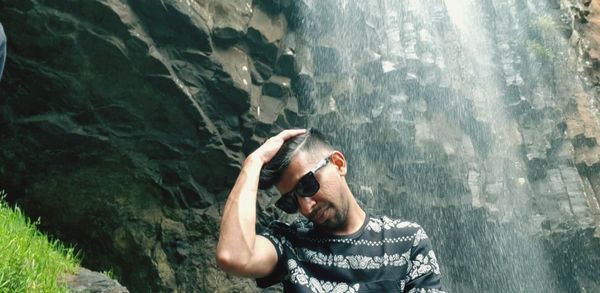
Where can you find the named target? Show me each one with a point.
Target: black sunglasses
(307, 186)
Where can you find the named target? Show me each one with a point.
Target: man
(339, 248)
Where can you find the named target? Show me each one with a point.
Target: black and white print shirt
(384, 255)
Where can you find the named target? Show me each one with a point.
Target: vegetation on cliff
(29, 260)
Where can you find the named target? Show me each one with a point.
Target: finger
(289, 133)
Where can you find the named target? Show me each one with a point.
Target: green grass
(29, 261)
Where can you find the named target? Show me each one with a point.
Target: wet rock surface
(123, 125)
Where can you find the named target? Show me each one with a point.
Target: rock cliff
(123, 125)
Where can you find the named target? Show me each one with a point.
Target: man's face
(328, 208)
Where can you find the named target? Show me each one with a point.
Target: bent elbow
(224, 259)
(228, 263)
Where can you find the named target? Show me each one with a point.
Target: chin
(336, 222)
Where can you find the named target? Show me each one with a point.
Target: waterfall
(452, 113)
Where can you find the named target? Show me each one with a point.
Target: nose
(306, 204)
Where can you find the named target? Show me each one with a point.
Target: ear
(339, 161)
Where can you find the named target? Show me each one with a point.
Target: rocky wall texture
(466, 125)
(86, 281)
(478, 124)
(123, 124)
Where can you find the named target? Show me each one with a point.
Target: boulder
(277, 86)
(264, 35)
(263, 70)
(234, 81)
(274, 7)
(300, 13)
(86, 281)
(304, 87)
(286, 63)
(230, 20)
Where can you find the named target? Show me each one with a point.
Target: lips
(320, 215)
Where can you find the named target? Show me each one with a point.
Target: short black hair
(312, 142)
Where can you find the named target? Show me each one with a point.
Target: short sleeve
(279, 272)
(423, 271)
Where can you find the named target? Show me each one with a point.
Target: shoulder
(297, 227)
(383, 223)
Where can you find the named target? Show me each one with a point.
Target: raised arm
(240, 251)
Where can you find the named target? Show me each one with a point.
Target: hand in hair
(270, 147)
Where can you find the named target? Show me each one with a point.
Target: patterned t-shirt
(384, 255)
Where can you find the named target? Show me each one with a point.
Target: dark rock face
(123, 125)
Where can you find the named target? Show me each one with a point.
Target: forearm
(239, 250)
(238, 234)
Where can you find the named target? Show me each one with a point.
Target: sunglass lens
(308, 185)
(287, 204)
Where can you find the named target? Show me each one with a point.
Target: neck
(354, 219)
